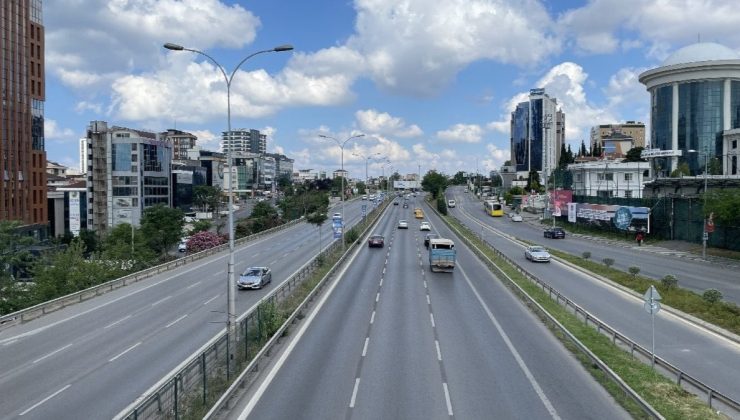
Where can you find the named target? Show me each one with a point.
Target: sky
(431, 84)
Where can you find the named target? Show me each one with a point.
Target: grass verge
(669, 399)
(721, 314)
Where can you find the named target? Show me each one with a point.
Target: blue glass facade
(735, 104)
(519, 135)
(661, 129)
(121, 156)
(536, 134)
(700, 122)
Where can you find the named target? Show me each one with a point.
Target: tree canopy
(725, 207)
(162, 226)
(634, 155)
(434, 182)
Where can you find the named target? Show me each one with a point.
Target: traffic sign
(705, 237)
(652, 308)
(652, 300)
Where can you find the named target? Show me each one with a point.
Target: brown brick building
(22, 154)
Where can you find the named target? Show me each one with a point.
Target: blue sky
(429, 83)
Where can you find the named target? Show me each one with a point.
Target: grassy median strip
(669, 399)
(721, 314)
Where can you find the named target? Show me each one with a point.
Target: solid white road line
(429, 302)
(354, 393)
(364, 349)
(52, 353)
(535, 385)
(377, 297)
(447, 399)
(125, 351)
(381, 282)
(210, 300)
(439, 352)
(161, 300)
(117, 322)
(10, 342)
(45, 400)
(372, 317)
(425, 284)
(431, 316)
(176, 321)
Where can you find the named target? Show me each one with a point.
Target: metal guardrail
(682, 378)
(33, 312)
(644, 405)
(203, 378)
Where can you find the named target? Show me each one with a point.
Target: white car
(336, 216)
(425, 226)
(182, 246)
(402, 224)
(516, 217)
(450, 203)
(537, 253)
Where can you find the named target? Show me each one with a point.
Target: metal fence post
(177, 414)
(246, 339)
(205, 377)
(228, 362)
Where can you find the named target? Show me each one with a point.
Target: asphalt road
(395, 341)
(92, 359)
(694, 275)
(695, 350)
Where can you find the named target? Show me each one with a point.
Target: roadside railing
(208, 379)
(33, 312)
(682, 378)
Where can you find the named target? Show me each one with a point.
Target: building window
(628, 194)
(605, 177)
(121, 156)
(734, 144)
(628, 177)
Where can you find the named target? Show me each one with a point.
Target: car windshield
(376, 237)
(252, 272)
(536, 249)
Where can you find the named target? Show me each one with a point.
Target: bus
(418, 213)
(494, 209)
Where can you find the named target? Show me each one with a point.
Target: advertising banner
(559, 200)
(621, 217)
(74, 213)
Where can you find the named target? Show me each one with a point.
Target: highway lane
(394, 340)
(697, 276)
(696, 351)
(92, 359)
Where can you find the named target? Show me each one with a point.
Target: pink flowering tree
(204, 240)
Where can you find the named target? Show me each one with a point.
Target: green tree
(117, 247)
(582, 152)
(162, 226)
(725, 207)
(336, 185)
(459, 178)
(571, 158)
(264, 216)
(207, 197)
(318, 218)
(434, 182)
(361, 187)
(634, 155)
(285, 184)
(201, 226)
(533, 182)
(90, 239)
(714, 166)
(68, 271)
(15, 262)
(683, 169)
(563, 161)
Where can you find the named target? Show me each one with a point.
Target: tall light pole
(704, 233)
(231, 282)
(341, 193)
(367, 159)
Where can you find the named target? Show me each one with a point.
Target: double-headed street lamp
(231, 282)
(341, 194)
(375, 155)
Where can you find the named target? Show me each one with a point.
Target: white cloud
(383, 123)
(462, 133)
(418, 46)
(499, 126)
(625, 88)
(207, 140)
(94, 107)
(496, 157)
(53, 132)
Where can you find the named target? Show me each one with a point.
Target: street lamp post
(231, 283)
(367, 159)
(704, 233)
(341, 193)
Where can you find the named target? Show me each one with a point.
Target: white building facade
(610, 178)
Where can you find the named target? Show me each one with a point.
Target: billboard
(406, 185)
(74, 213)
(559, 200)
(607, 215)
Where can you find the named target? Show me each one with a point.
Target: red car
(376, 240)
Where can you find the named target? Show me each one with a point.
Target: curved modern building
(695, 106)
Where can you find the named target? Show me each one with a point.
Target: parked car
(429, 237)
(376, 240)
(402, 224)
(555, 233)
(516, 217)
(425, 226)
(182, 246)
(537, 253)
(450, 203)
(254, 278)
